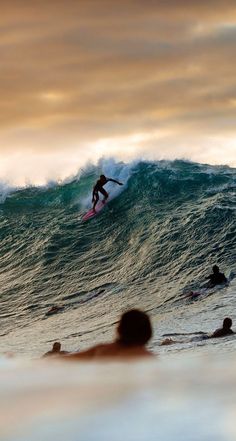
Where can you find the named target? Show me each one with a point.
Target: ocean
(154, 242)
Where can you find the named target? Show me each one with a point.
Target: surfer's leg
(95, 201)
(105, 194)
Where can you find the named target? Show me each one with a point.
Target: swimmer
(98, 187)
(216, 278)
(54, 310)
(134, 330)
(221, 332)
(56, 350)
(225, 330)
(168, 341)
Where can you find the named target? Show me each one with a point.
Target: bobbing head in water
(227, 323)
(134, 328)
(215, 269)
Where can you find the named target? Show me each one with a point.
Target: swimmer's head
(56, 346)
(227, 323)
(134, 328)
(103, 178)
(216, 269)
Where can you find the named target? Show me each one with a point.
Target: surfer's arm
(168, 341)
(114, 180)
(83, 355)
(79, 355)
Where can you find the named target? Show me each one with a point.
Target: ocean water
(172, 398)
(155, 240)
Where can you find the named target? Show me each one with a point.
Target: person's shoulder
(222, 333)
(99, 349)
(52, 354)
(217, 333)
(104, 347)
(47, 354)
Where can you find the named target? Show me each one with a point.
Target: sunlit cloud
(87, 79)
(52, 97)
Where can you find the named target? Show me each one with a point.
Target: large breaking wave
(160, 233)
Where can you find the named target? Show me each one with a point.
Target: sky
(82, 79)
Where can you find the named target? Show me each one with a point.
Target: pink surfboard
(91, 213)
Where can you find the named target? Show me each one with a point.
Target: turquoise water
(158, 237)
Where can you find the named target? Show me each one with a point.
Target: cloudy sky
(84, 78)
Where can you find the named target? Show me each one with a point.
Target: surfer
(134, 330)
(220, 332)
(98, 187)
(216, 278)
(225, 330)
(54, 310)
(56, 350)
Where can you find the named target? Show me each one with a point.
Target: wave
(159, 235)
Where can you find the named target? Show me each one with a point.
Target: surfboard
(193, 294)
(91, 213)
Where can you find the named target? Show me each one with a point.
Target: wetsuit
(98, 187)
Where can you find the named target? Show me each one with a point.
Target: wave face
(158, 236)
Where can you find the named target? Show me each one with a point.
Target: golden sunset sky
(130, 78)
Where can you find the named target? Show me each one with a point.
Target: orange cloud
(75, 72)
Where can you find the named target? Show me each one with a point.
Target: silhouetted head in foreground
(134, 328)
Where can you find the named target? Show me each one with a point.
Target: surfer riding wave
(98, 187)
